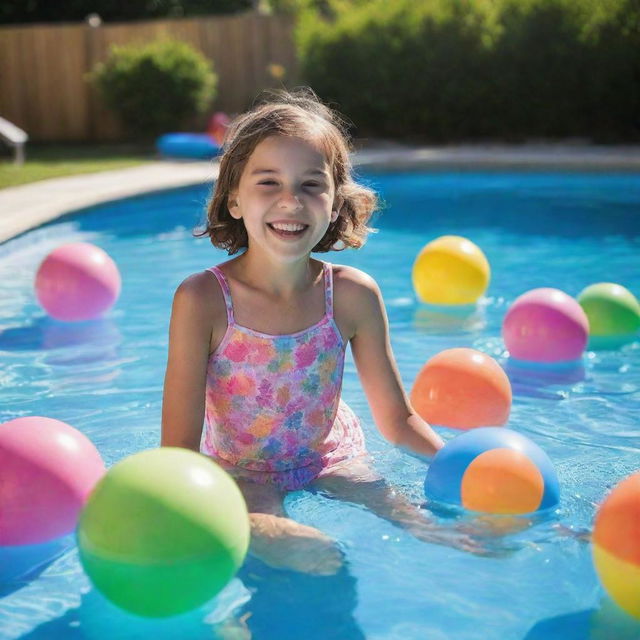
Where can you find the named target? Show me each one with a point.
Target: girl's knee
(352, 480)
(262, 498)
(353, 471)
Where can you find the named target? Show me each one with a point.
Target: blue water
(105, 378)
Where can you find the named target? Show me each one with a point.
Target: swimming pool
(105, 378)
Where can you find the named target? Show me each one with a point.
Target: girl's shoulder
(201, 288)
(351, 281)
(201, 295)
(356, 298)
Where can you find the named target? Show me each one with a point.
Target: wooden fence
(43, 67)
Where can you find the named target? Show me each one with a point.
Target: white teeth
(288, 227)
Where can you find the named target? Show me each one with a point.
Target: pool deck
(28, 206)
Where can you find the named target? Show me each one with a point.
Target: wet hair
(298, 114)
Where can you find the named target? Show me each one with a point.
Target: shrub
(157, 86)
(402, 67)
(465, 69)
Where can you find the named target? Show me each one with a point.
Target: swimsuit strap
(327, 271)
(226, 292)
(328, 289)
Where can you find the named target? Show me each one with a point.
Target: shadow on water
(20, 565)
(276, 604)
(289, 606)
(95, 340)
(449, 320)
(541, 380)
(97, 619)
(607, 622)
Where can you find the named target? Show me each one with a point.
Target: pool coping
(31, 205)
(28, 206)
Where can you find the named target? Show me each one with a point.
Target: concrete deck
(31, 205)
(535, 157)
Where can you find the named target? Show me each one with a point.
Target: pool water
(105, 378)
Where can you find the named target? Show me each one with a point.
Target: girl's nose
(289, 201)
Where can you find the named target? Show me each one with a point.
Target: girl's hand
(430, 532)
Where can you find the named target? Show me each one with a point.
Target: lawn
(55, 160)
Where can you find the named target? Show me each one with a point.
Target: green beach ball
(613, 311)
(163, 532)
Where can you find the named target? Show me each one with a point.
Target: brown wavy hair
(298, 114)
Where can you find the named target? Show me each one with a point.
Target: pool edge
(29, 206)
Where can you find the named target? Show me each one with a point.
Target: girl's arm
(183, 398)
(371, 348)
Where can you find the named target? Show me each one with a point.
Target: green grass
(56, 160)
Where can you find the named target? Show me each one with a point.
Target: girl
(256, 344)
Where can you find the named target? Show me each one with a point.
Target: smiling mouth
(288, 230)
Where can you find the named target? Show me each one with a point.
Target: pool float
(545, 325)
(202, 146)
(47, 470)
(493, 470)
(616, 544)
(77, 282)
(613, 313)
(163, 532)
(199, 146)
(462, 388)
(450, 270)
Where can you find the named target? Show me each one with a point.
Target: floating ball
(616, 544)
(450, 270)
(493, 470)
(77, 282)
(611, 309)
(462, 388)
(47, 470)
(163, 532)
(545, 325)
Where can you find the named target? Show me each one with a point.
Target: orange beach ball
(462, 388)
(616, 544)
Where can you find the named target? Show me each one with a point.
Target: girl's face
(285, 197)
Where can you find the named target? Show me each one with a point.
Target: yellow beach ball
(451, 270)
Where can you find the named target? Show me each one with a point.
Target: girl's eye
(312, 184)
(268, 183)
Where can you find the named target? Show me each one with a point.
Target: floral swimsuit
(273, 409)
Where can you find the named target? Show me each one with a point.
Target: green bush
(470, 69)
(155, 87)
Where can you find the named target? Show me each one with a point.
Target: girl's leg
(281, 542)
(356, 482)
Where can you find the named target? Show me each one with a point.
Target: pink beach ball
(47, 470)
(545, 325)
(77, 282)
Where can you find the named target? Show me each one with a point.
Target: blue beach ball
(493, 470)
